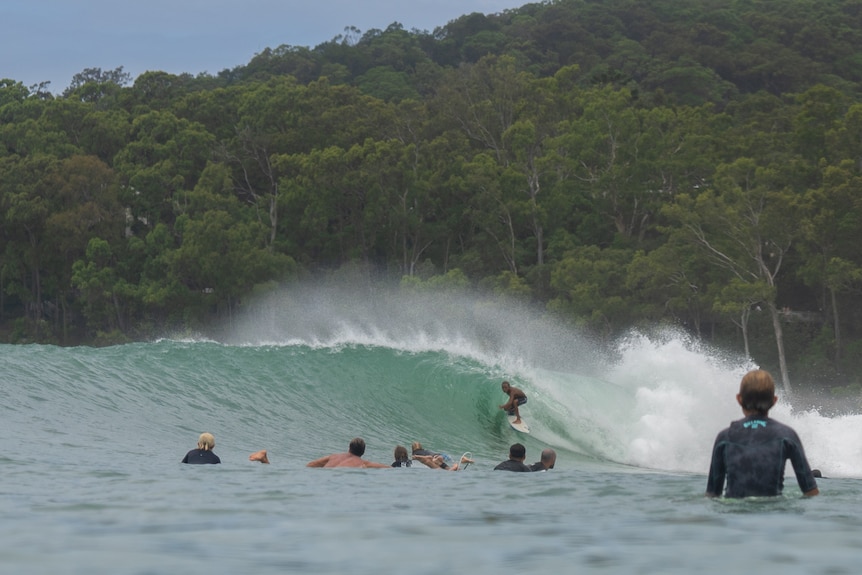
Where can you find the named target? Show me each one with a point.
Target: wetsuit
(201, 456)
(512, 465)
(752, 453)
(537, 466)
(402, 463)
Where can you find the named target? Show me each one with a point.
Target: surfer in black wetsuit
(752, 452)
(401, 457)
(204, 453)
(516, 398)
(547, 461)
(517, 455)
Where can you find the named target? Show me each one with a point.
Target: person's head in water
(517, 452)
(206, 441)
(415, 446)
(757, 392)
(401, 453)
(357, 446)
(549, 458)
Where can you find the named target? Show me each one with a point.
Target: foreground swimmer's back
(751, 454)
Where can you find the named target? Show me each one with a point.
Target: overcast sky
(52, 40)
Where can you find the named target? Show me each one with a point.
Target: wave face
(310, 369)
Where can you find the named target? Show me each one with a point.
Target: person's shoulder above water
(198, 456)
(352, 458)
(203, 454)
(548, 460)
(511, 465)
(517, 454)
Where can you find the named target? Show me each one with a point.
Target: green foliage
(621, 162)
(385, 83)
(590, 283)
(454, 280)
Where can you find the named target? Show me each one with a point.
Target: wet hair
(400, 453)
(357, 446)
(757, 391)
(206, 441)
(506, 383)
(517, 451)
(415, 446)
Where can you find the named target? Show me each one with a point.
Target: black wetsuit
(752, 453)
(512, 465)
(537, 466)
(201, 456)
(402, 463)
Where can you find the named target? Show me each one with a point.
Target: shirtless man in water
(353, 457)
(516, 398)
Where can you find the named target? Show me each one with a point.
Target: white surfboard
(522, 427)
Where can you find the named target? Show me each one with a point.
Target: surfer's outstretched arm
(319, 462)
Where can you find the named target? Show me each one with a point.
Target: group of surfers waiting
(748, 457)
(356, 449)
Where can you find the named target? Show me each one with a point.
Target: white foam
(655, 402)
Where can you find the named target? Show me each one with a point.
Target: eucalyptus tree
(590, 283)
(630, 160)
(511, 116)
(25, 213)
(83, 192)
(93, 84)
(164, 156)
(745, 223)
(831, 227)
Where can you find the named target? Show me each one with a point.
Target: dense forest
(620, 163)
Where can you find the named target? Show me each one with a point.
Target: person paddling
(353, 457)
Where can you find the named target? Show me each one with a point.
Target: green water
(92, 439)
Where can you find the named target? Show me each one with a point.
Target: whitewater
(92, 439)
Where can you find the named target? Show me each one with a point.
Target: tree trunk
(743, 324)
(118, 310)
(779, 342)
(837, 324)
(538, 231)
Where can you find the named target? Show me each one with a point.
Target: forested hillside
(620, 163)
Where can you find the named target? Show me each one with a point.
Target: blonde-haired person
(752, 452)
(204, 452)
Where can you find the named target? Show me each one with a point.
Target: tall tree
(745, 225)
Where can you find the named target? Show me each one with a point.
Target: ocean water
(91, 439)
